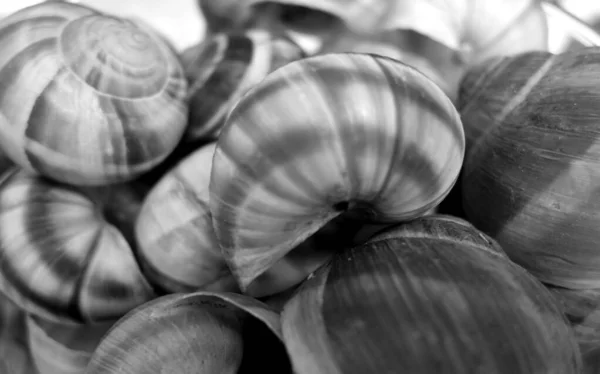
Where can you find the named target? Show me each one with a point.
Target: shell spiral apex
(324, 135)
(87, 98)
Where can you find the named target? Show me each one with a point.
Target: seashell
(66, 252)
(194, 333)
(431, 296)
(533, 149)
(176, 241)
(221, 68)
(87, 98)
(322, 136)
(63, 349)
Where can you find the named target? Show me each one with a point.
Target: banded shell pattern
(322, 136)
(87, 98)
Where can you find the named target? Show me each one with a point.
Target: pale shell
(323, 135)
(87, 98)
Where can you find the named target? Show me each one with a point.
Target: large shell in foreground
(87, 98)
(66, 253)
(431, 296)
(324, 135)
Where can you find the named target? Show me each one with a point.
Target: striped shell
(533, 168)
(432, 296)
(65, 253)
(221, 68)
(174, 230)
(324, 135)
(86, 98)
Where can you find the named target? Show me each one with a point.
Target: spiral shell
(65, 253)
(221, 68)
(174, 230)
(432, 296)
(324, 135)
(87, 98)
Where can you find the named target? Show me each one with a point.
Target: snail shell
(174, 230)
(65, 252)
(432, 296)
(321, 136)
(87, 98)
(194, 333)
(221, 68)
(533, 161)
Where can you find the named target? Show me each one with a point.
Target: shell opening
(342, 206)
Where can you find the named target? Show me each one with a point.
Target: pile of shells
(333, 187)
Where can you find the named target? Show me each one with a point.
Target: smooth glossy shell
(436, 300)
(87, 98)
(174, 230)
(65, 254)
(323, 135)
(532, 173)
(194, 333)
(221, 68)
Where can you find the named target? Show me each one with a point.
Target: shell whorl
(62, 260)
(87, 98)
(324, 134)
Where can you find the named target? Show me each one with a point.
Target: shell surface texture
(432, 296)
(66, 253)
(87, 98)
(531, 176)
(221, 68)
(194, 333)
(322, 136)
(174, 231)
